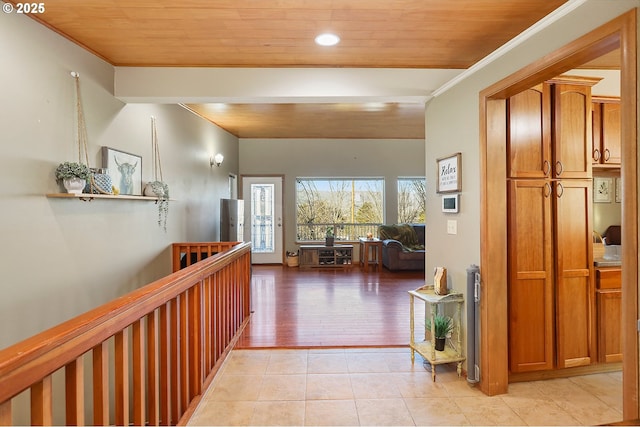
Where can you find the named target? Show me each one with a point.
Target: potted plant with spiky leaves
(442, 328)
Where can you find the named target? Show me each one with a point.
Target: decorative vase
(99, 182)
(328, 241)
(74, 185)
(440, 343)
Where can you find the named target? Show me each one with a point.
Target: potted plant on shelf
(329, 237)
(73, 176)
(158, 188)
(442, 328)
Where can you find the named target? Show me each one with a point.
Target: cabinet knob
(546, 168)
(547, 189)
(559, 168)
(607, 154)
(559, 190)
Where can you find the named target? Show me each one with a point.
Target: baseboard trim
(564, 373)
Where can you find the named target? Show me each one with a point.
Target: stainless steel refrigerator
(231, 220)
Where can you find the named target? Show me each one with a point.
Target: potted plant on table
(73, 176)
(442, 328)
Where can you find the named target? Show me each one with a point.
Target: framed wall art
(125, 170)
(618, 190)
(449, 174)
(602, 189)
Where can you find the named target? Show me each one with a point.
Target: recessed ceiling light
(327, 39)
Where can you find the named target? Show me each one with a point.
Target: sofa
(402, 246)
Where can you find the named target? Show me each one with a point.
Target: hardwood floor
(296, 308)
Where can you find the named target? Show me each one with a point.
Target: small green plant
(161, 190)
(329, 231)
(443, 325)
(69, 170)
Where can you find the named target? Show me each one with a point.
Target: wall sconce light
(216, 160)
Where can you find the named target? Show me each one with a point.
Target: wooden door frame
(618, 33)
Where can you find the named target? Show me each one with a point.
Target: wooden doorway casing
(619, 33)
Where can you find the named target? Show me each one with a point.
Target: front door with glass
(263, 218)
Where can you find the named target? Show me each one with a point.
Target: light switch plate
(452, 226)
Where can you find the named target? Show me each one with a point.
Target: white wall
(59, 258)
(332, 158)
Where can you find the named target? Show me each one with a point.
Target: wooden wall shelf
(89, 197)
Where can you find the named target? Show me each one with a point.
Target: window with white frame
(346, 208)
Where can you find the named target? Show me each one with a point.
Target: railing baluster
(184, 352)
(122, 377)
(74, 395)
(153, 410)
(175, 361)
(207, 333)
(195, 341)
(41, 403)
(178, 251)
(236, 296)
(164, 371)
(138, 365)
(101, 385)
(227, 313)
(6, 417)
(221, 324)
(215, 316)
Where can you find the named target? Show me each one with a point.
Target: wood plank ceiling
(280, 33)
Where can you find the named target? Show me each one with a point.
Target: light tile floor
(350, 387)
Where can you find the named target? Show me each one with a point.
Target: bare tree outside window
(348, 207)
(412, 199)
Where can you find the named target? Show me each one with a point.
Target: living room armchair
(403, 246)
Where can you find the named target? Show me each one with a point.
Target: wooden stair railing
(159, 346)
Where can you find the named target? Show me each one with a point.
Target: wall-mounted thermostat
(450, 203)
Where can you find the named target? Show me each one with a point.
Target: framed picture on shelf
(125, 170)
(618, 190)
(449, 174)
(602, 189)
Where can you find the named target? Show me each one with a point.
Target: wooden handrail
(185, 254)
(171, 325)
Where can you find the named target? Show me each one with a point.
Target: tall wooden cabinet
(550, 263)
(531, 312)
(575, 305)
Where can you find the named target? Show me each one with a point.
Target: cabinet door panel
(574, 271)
(530, 289)
(596, 131)
(574, 330)
(572, 136)
(611, 133)
(609, 321)
(529, 134)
